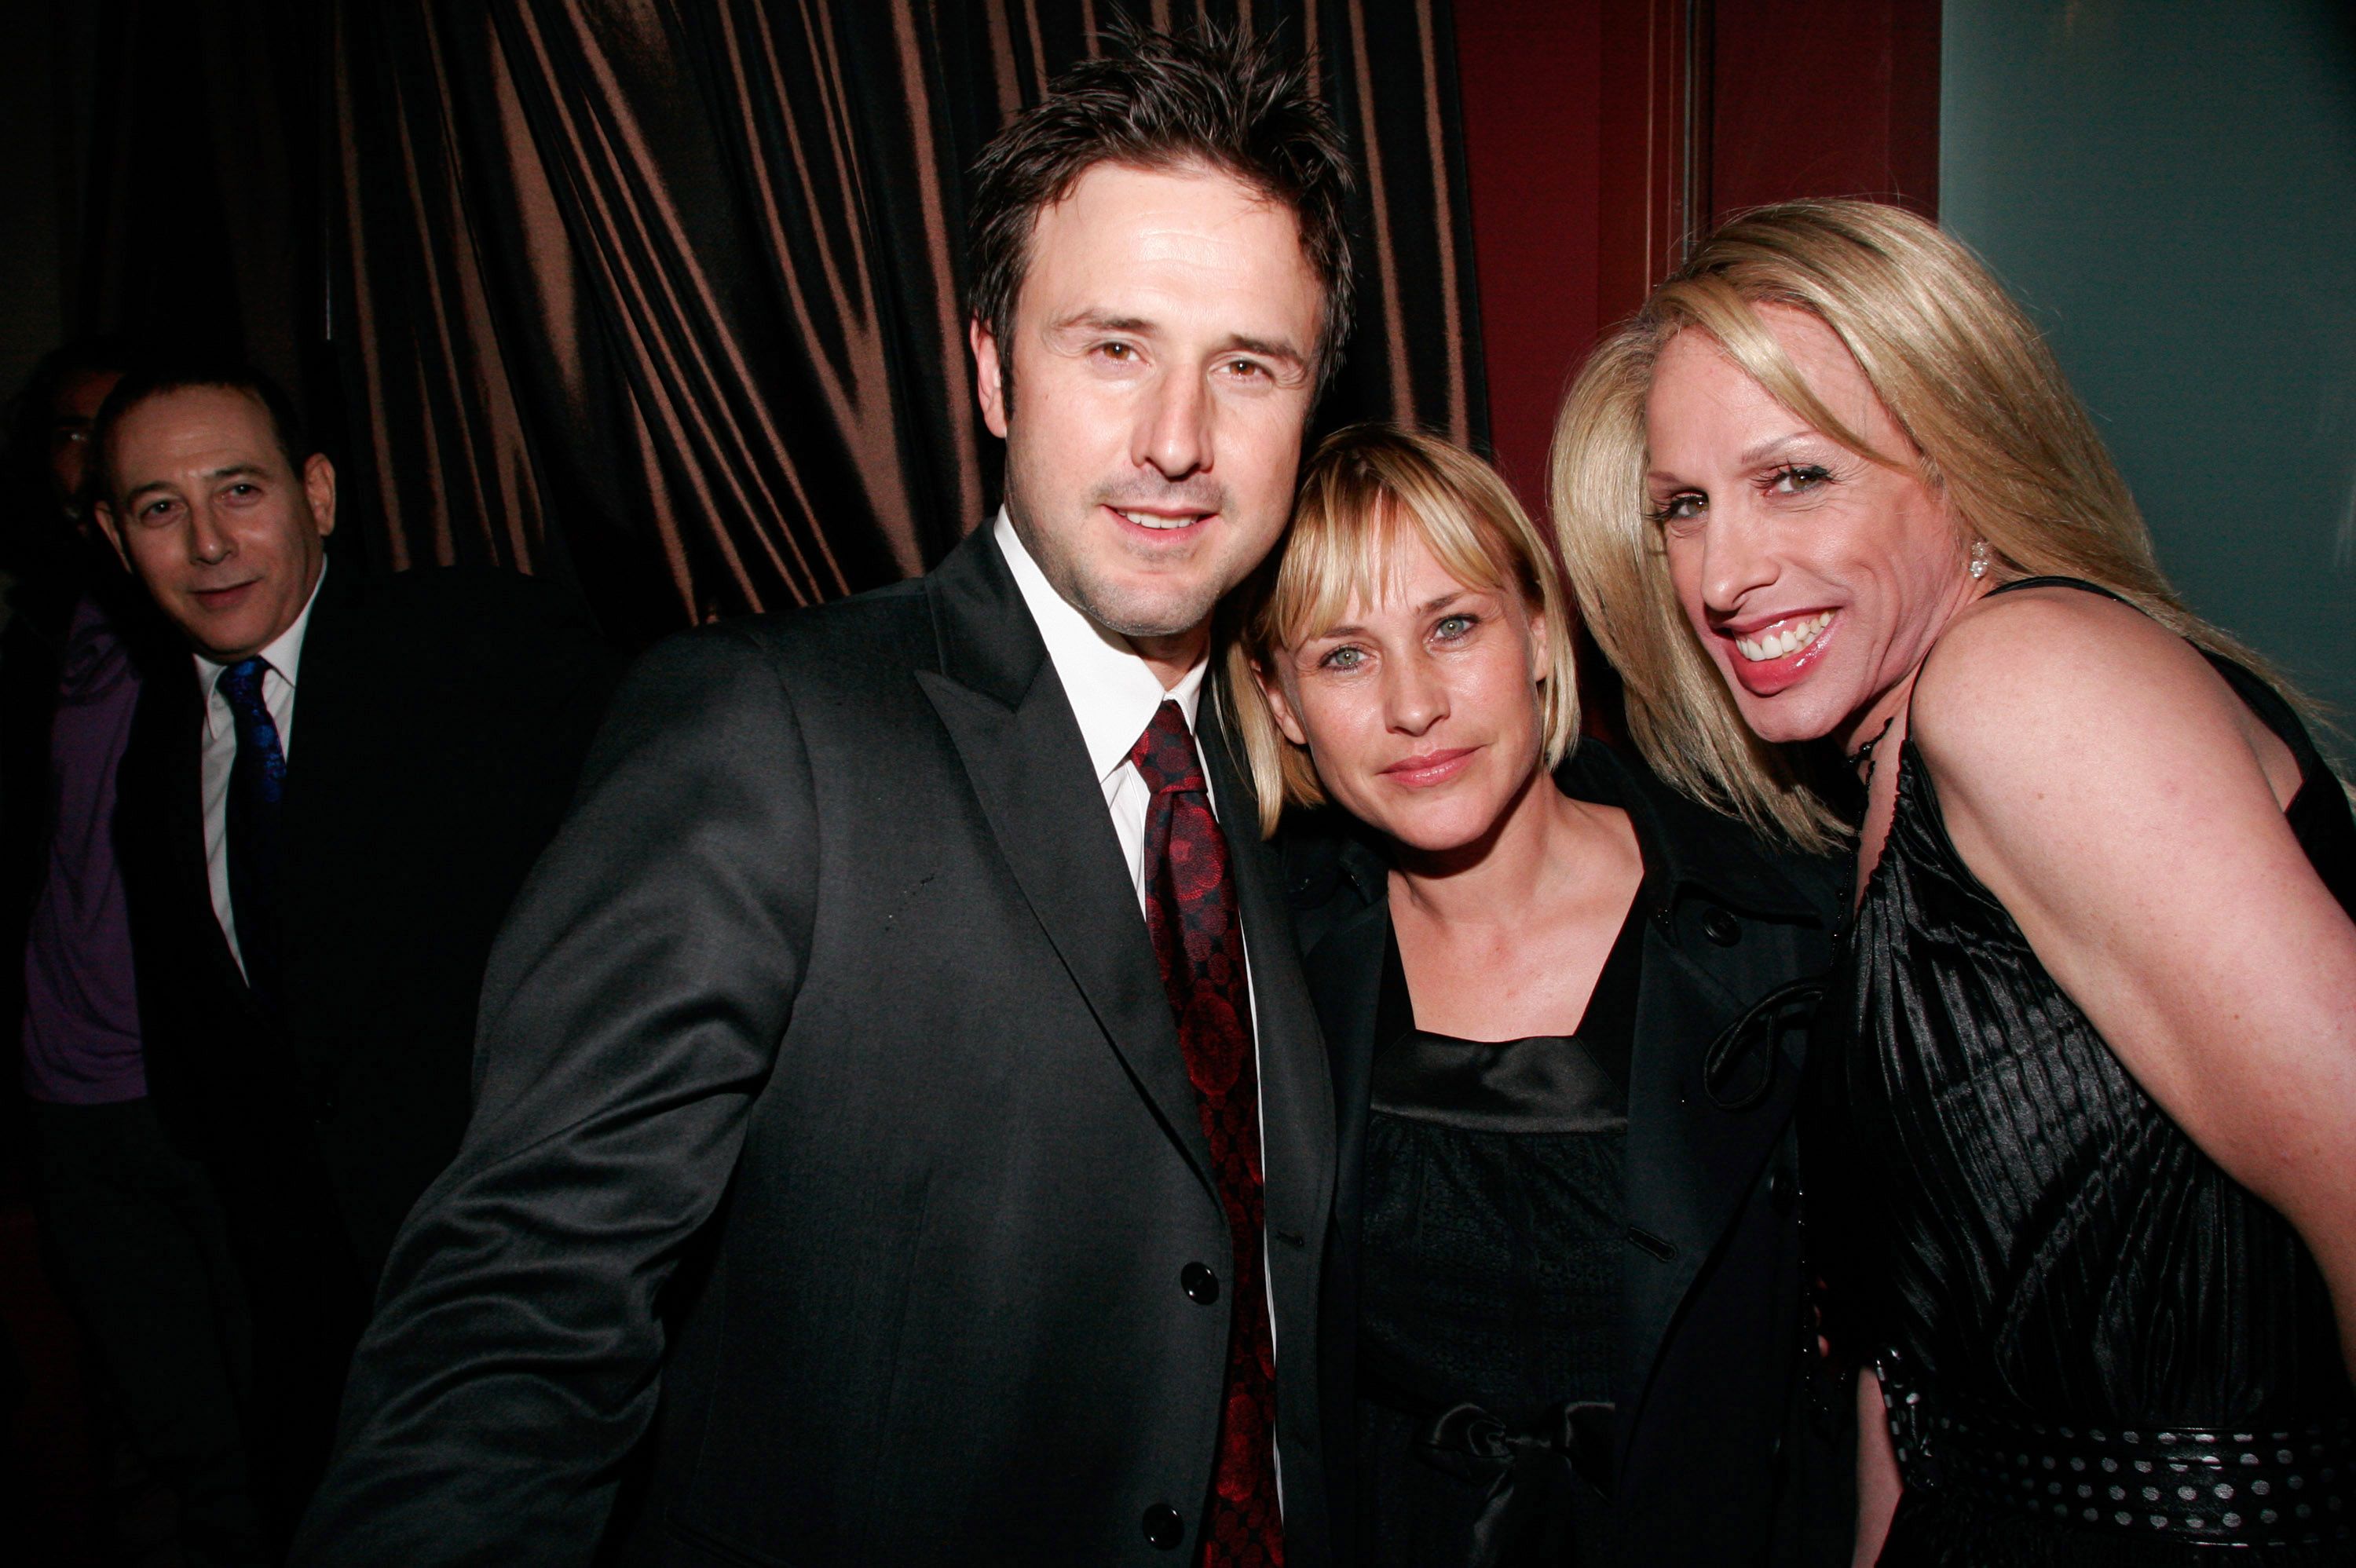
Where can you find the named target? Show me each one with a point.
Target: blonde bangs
(1329, 563)
(1367, 490)
(1715, 307)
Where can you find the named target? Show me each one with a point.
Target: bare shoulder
(2042, 684)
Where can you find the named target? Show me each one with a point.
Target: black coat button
(1783, 1192)
(1721, 928)
(1163, 1527)
(1199, 1284)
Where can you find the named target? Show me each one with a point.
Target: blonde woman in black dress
(1832, 511)
(1563, 1310)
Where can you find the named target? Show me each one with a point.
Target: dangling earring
(1979, 560)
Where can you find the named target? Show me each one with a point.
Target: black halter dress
(2098, 1348)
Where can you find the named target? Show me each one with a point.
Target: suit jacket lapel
(998, 697)
(318, 806)
(1344, 974)
(1296, 1089)
(1297, 1134)
(1690, 1162)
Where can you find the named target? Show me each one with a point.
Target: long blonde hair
(1967, 379)
(1362, 491)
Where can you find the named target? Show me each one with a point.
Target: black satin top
(2028, 1231)
(1495, 1222)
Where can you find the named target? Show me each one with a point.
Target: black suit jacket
(1716, 1461)
(440, 719)
(835, 989)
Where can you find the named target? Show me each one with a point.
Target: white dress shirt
(1114, 695)
(283, 656)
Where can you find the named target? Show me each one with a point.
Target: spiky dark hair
(1153, 100)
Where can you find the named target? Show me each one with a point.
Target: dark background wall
(2170, 186)
(35, 181)
(154, 171)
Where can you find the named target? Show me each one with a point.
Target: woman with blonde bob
(2090, 1049)
(1562, 1290)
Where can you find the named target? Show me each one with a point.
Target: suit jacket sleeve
(630, 1013)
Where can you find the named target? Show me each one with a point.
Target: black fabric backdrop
(666, 296)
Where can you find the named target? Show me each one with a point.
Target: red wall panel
(1599, 132)
(1824, 98)
(1532, 89)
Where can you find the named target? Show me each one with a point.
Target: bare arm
(2106, 785)
(1878, 1484)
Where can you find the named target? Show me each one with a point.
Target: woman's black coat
(1717, 1460)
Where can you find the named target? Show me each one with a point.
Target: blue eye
(1451, 627)
(1343, 658)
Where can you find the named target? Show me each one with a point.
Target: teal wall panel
(2170, 188)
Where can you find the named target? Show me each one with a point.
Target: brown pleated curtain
(673, 291)
(665, 296)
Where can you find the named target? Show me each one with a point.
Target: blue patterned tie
(257, 798)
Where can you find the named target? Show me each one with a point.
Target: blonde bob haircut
(1993, 426)
(1363, 489)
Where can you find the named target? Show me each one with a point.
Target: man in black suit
(870, 1096)
(130, 1227)
(312, 920)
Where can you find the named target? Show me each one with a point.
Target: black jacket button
(1721, 928)
(1163, 1527)
(1199, 1284)
(1783, 1192)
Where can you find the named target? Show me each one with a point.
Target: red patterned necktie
(1190, 911)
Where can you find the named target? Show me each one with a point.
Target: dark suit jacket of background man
(838, 953)
(441, 716)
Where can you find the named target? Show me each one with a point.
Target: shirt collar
(283, 654)
(1114, 693)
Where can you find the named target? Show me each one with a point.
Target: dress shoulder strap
(2053, 582)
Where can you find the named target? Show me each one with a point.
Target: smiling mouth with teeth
(1782, 644)
(1148, 520)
